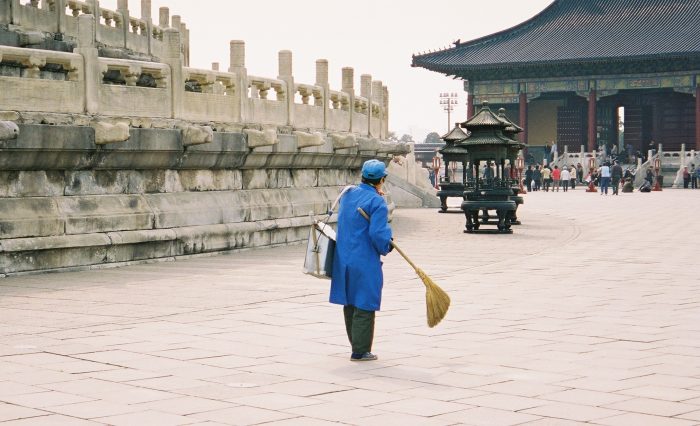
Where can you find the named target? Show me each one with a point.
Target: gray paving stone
(587, 313)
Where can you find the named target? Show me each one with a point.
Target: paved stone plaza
(588, 313)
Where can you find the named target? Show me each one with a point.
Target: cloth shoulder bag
(320, 246)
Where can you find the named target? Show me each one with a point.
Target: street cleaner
(357, 277)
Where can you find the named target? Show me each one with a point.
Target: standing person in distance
(528, 178)
(357, 278)
(604, 178)
(565, 178)
(556, 178)
(616, 175)
(694, 175)
(573, 173)
(537, 178)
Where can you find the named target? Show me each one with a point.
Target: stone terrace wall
(68, 202)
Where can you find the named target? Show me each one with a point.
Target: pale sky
(375, 37)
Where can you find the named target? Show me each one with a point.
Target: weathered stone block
(185, 209)
(305, 140)
(110, 133)
(145, 149)
(41, 147)
(258, 138)
(31, 183)
(197, 135)
(255, 179)
(210, 180)
(343, 140)
(96, 182)
(302, 178)
(104, 213)
(29, 217)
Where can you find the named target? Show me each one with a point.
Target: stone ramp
(405, 194)
(586, 315)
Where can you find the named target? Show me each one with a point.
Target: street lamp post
(448, 102)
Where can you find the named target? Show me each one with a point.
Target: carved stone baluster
(73, 67)
(132, 74)
(33, 64)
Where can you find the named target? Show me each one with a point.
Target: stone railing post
(237, 66)
(322, 80)
(164, 17)
(286, 75)
(683, 159)
(172, 56)
(146, 16)
(5, 12)
(96, 12)
(123, 10)
(348, 86)
(60, 6)
(92, 78)
(366, 92)
(378, 97)
(215, 66)
(185, 40)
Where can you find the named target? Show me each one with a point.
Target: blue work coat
(357, 278)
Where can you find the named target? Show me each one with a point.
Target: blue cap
(373, 169)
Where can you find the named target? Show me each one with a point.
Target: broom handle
(393, 244)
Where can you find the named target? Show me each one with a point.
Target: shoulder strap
(337, 200)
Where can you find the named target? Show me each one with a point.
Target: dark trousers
(694, 182)
(573, 183)
(615, 185)
(686, 182)
(565, 185)
(359, 325)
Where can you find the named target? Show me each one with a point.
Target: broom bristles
(437, 302)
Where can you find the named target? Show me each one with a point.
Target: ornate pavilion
(579, 68)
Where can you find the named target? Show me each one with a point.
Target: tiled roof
(455, 135)
(579, 31)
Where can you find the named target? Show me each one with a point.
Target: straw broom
(437, 302)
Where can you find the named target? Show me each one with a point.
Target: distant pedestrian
(694, 176)
(579, 173)
(546, 178)
(616, 176)
(686, 177)
(537, 178)
(565, 178)
(556, 178)
(573, 173)
(528, 178)
(649, 176)
(604, 178)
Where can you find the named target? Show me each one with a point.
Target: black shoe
(367, 356)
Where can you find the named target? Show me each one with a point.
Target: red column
(592, 130)
(697, 118)
(523, 117)
(470, 106)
